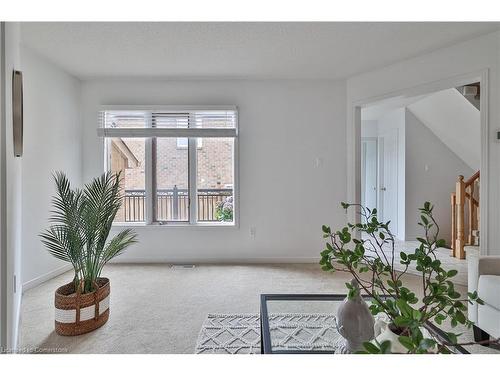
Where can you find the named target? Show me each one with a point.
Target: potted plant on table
(81, 223)
(376, 276)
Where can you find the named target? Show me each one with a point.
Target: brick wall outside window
(215, 164)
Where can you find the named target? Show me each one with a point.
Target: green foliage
(81, 222)
(377, 276)
(352, 291)
(224, 210)
(376, 348)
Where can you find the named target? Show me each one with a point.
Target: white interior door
(369, 167)
(388, 178)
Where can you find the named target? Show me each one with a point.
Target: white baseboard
(17, 324)
(287, 260)
(49, 275)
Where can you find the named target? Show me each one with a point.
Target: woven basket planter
(78, 313)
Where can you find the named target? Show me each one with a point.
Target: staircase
(465, 215)
(450, 116)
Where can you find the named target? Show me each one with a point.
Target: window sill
(176, 225)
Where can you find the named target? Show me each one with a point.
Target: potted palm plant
(81, 222)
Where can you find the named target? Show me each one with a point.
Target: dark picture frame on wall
(17, 112)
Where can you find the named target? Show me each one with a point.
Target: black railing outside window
(172, 204)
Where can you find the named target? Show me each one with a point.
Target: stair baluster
(460, 199)
(453, 222)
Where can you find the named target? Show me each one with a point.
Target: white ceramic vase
(384, 333)
(354, 322)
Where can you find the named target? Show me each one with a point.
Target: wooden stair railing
(463, 197)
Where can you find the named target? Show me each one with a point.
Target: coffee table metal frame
(265, 333)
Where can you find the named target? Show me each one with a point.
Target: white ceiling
(238, 50)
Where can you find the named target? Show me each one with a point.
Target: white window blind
(178, 122)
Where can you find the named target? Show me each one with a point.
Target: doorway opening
(425, 148)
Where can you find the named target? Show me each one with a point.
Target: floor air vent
(182, 266)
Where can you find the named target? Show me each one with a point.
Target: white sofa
(484, 276)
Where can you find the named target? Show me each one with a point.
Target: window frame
(150, 161)
(199, 144)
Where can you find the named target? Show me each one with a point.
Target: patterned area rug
(240, 333)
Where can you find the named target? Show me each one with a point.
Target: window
(127, 155)
(177, 164)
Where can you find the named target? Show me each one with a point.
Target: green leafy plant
(81, 222)
(224, 210)
(375, 271)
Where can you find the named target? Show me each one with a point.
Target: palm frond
(56, 243)
(117, 246)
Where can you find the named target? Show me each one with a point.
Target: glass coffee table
(305, 324)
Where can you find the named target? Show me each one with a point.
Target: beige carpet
(447, 261)
(156, 309)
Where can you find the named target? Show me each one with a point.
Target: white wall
(442, 65)
(431, 173)
(10, 202)
(52, 142)
(284, 127)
